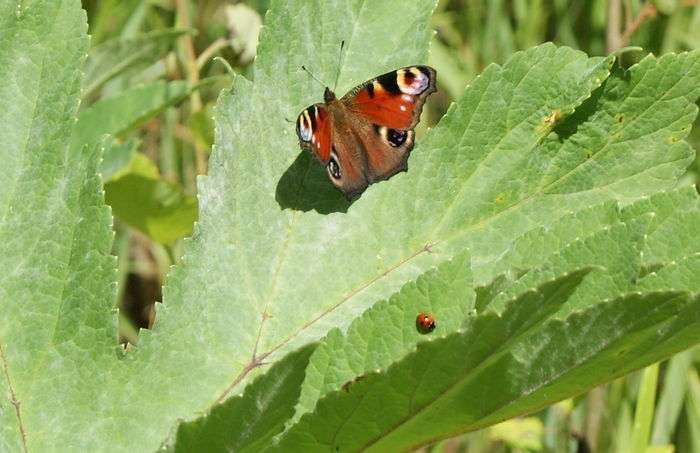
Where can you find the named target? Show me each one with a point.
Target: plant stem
(192, 69)
(595, 410)
(210, 51)
(616, 40)
(613, 39)
(647, 12)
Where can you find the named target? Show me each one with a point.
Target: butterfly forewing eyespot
(412, 80)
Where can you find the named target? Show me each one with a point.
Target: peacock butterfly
(367, 135)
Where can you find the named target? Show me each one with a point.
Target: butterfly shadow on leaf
(304, 186)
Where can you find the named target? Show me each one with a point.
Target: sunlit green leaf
(552, 142)
(142, 199)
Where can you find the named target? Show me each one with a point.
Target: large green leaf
(278, 259)
(57, 322)
(495, 168)
(293, 267)
(488, 173)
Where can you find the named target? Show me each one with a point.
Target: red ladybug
(425, 323)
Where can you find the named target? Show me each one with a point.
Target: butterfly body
(367, 135)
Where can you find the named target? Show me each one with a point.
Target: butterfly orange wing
(387, 109)
(393, 100)
(338, 153)
(315, 131)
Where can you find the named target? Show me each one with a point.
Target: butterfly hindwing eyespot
(333, 167)
(394, 137)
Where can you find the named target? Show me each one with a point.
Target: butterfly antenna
(313, 76)
(340, 60)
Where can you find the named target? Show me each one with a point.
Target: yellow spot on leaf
(552, 119)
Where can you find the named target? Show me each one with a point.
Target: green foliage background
(515, 232)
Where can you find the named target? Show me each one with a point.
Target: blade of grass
(623, 428)
(672, 396)
(693, 410)
(644, 412)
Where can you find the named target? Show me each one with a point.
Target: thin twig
(627, 6)
(213, 48)
(647, 12)
(14, 401)
(183, 15)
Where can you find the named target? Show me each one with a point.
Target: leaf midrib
(13, 399)
(281, 258)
